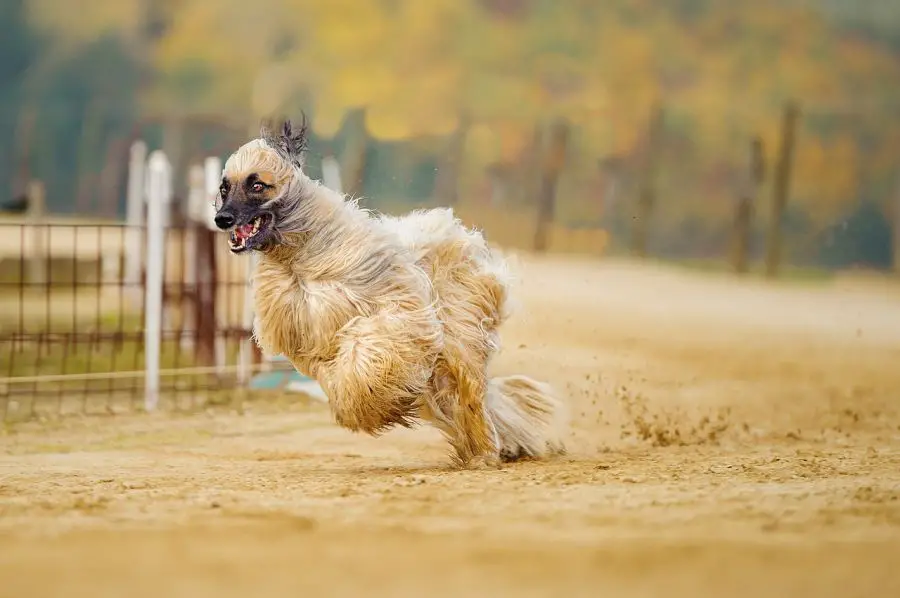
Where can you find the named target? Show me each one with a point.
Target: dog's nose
(224, 220)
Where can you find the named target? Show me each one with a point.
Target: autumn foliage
(495, 71)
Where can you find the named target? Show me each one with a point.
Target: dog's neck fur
(334, 263)
(330, 238)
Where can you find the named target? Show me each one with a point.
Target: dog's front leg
(381, 368)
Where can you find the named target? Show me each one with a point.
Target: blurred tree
(18, 47)
(469, 81)
(84, 100)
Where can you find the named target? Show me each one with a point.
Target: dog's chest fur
(300, 318)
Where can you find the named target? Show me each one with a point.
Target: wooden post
(647, 196)
(36, 216)
(781, 188)
(210, 349)
(748, 191)
(552, 167)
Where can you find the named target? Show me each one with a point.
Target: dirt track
(728, 440)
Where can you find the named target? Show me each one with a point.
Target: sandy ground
(729, 439)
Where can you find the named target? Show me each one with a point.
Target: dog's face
(255, 180)
(247, 205)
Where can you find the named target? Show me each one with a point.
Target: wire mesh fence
(73, 321)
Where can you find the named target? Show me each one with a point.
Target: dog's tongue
(244, 231)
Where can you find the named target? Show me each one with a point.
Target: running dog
(396, 317)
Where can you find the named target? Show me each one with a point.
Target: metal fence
(75, 329)
(106, 317)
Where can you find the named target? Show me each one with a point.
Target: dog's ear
(294, 138)
(291, 143)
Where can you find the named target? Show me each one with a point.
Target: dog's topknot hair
(291, 143)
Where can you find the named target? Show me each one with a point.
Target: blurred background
(681, 129)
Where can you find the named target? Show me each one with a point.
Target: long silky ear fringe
(291, 143)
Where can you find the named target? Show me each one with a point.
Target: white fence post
(158, 198)
(134, 217)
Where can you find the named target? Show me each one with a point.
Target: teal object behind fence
(287, 379)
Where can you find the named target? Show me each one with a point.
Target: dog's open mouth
(242, 236)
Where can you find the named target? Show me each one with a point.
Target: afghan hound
(396, 317)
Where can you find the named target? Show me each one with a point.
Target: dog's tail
(528, 417)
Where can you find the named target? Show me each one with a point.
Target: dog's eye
(258, 187)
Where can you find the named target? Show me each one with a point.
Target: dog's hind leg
(456, 406)
(470, 316)
(476, 438)
(442, 408)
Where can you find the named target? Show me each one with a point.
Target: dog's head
(255, 183)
